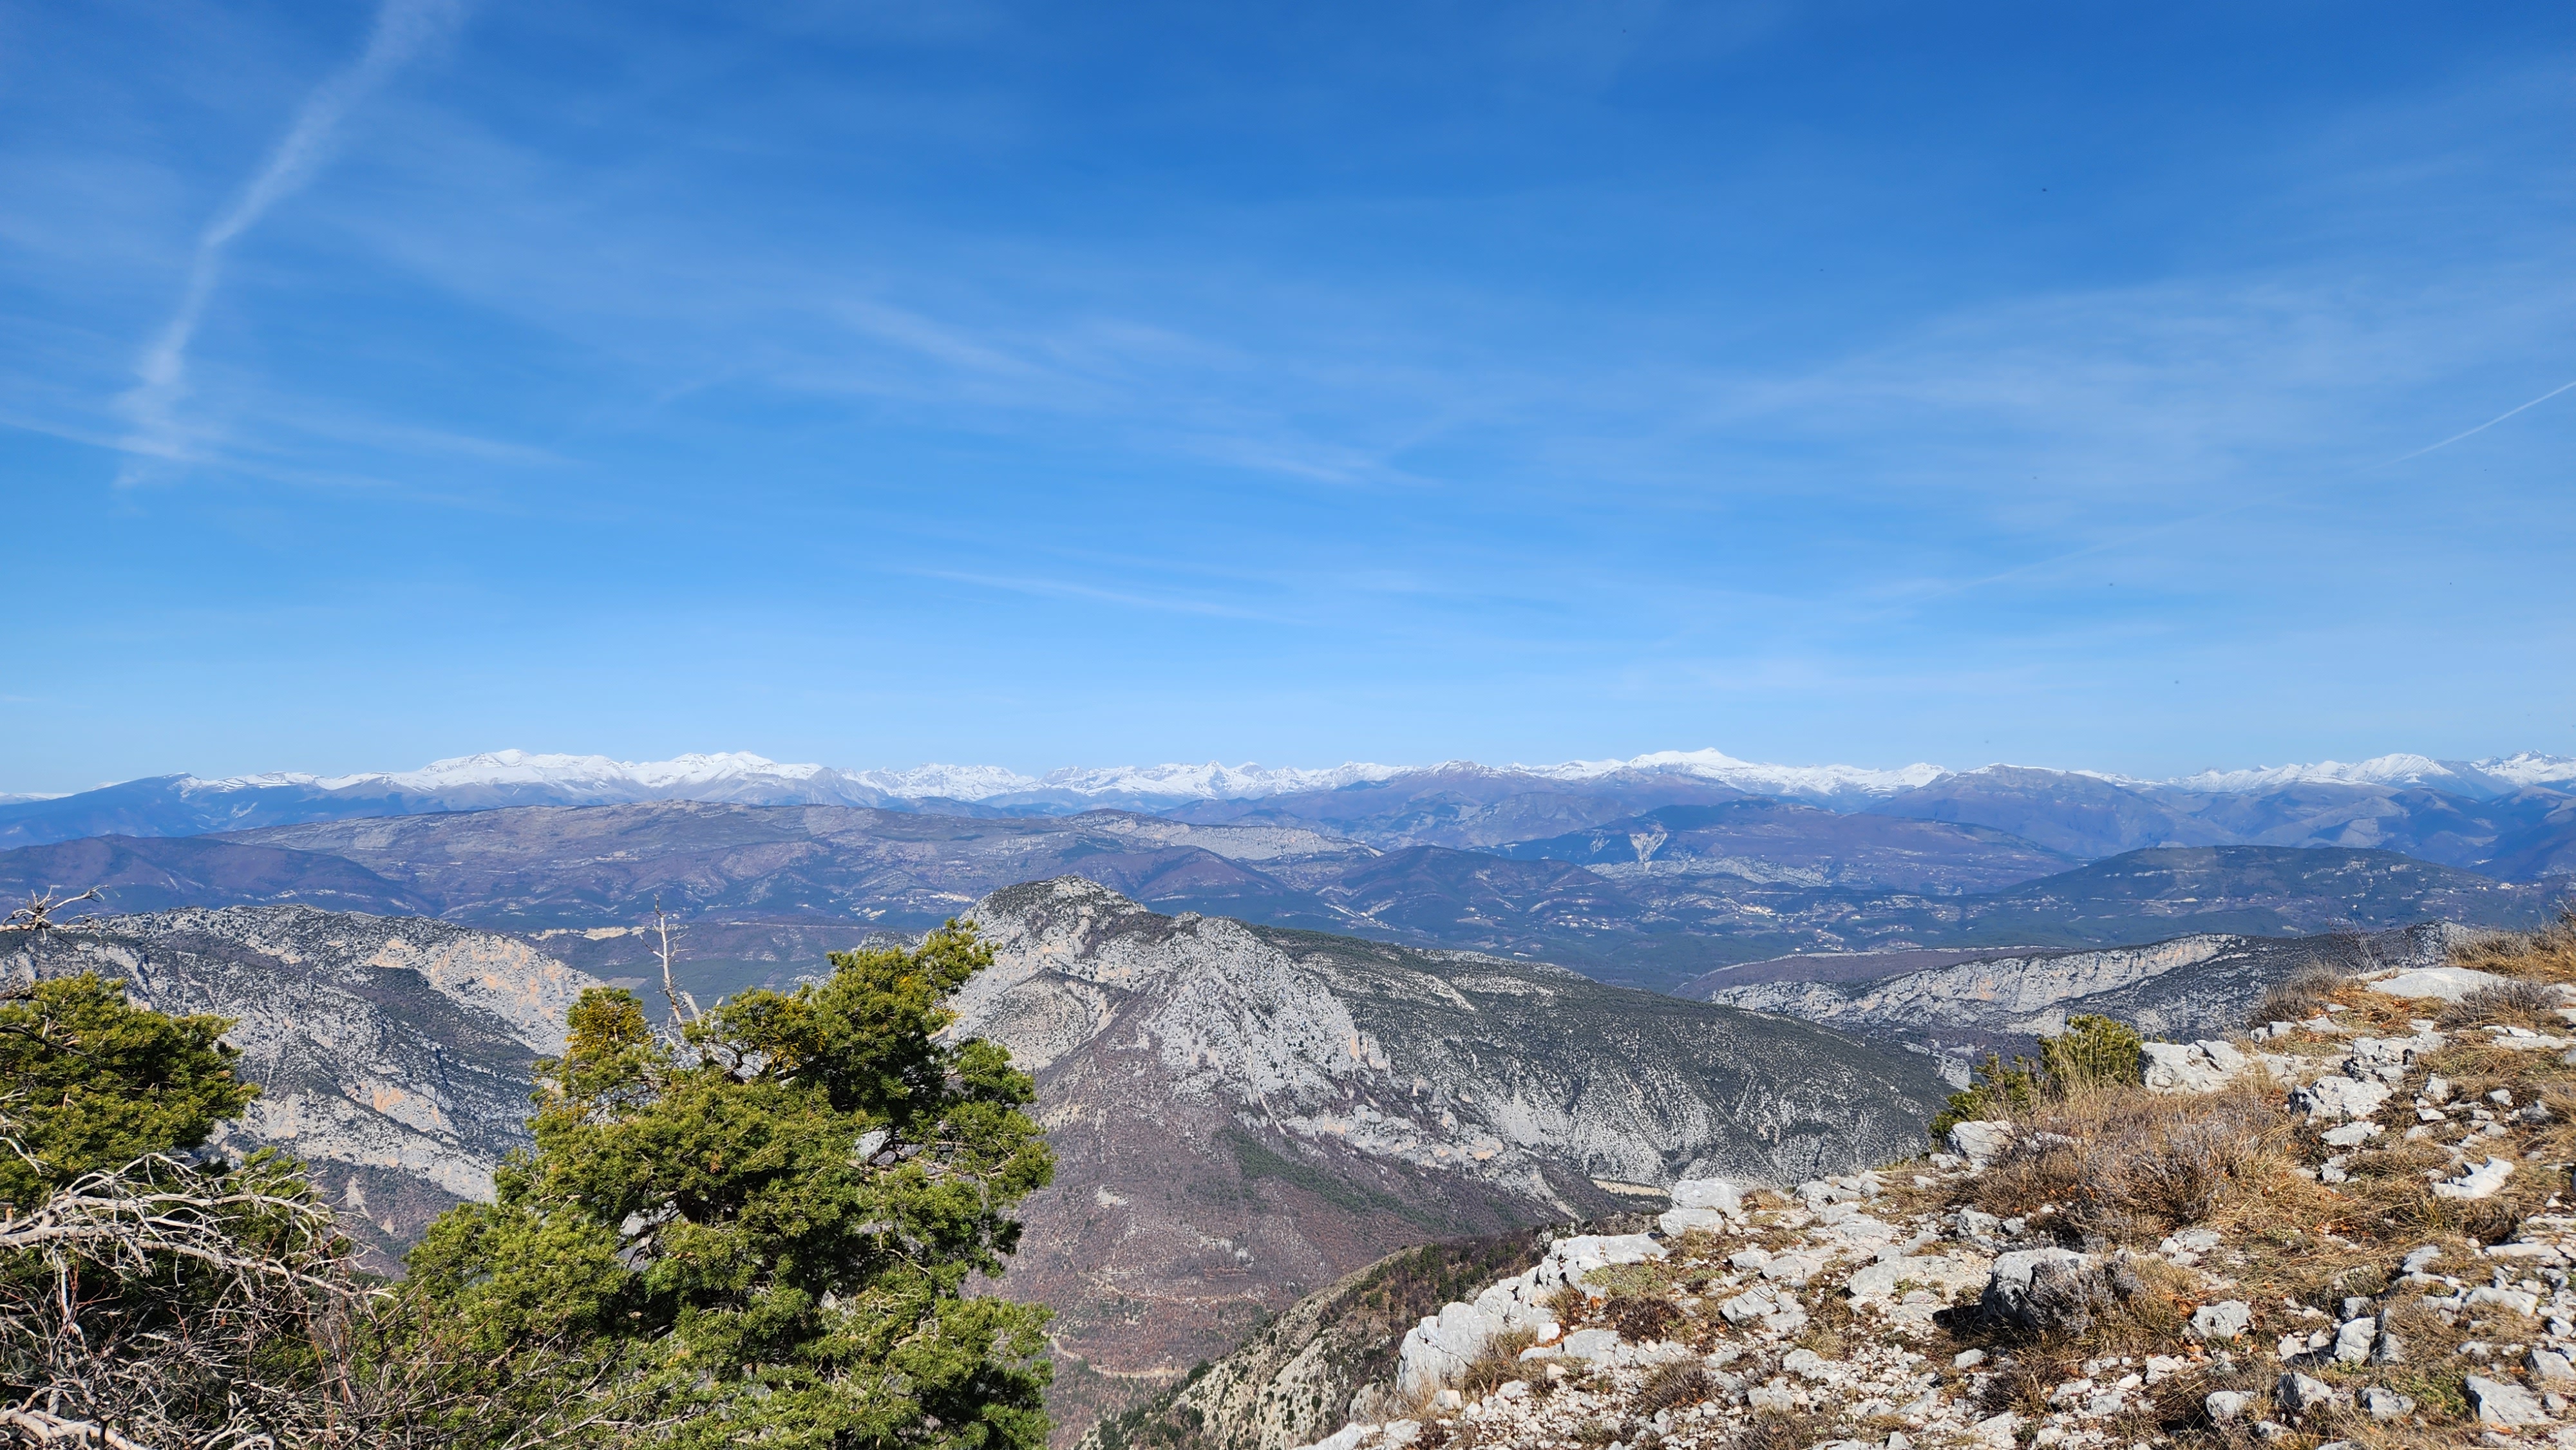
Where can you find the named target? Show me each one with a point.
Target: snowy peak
(507, 768)
(2461, 777)
(1212, 781)
(1805, 781)
(520, 777)
(2530, 767)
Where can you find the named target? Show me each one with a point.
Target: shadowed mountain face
(1783, 844)
(2515, 818)
(2252, 890)
(1468, 805)
(153, 874)
(2075, 815)
(1243, 1114)
(2514, 834)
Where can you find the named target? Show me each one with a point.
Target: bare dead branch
(684, 1008)
(38, 914)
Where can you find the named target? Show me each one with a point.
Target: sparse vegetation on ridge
(2284, 1255)
(757, 1229)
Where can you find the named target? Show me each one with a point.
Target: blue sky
(1047, 384)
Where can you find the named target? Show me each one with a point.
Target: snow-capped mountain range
(740, 776)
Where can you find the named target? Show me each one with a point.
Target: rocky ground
(2347, 1225)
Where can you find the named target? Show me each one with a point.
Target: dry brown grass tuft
(1780, 1432)
(2546, 955)
(2298, 997)
(1641, 1318)
(1499, 1364)
(2127, 1166)
(2517, 1004)
(2179, 1403)
(1681, 1383)
(1830, 1328)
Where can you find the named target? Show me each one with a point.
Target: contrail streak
(402, 27)
(2482, 427)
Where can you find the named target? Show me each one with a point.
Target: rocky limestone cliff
(393, 1053)
(1244, 1114)
(2378, 1256)
(2191, 986)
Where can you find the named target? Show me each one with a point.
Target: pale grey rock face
(2484, 1180)
(1438, 1350)
(2301, 1395)
(2225, 1320)
(2503, 1404)
(2010, 1284)
(1980, 1142)
(2336, 1098)
(2194, 989)
(1945, 1274)
(1443, 1060)
(1242, 1113)
(2189, 1067)
(394, 1054)
(2441, 984)
(1675, 1221)
(1708, 1193)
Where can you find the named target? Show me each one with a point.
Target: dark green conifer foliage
(2093, 1051)
(90, 1081)
(758, 1234)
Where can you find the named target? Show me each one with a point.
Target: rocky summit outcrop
(393, 1054)
(1244, 1114)
(2185, 988)
(2266, 1258)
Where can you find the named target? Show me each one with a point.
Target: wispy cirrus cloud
(157, 437)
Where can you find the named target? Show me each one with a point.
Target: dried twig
(38, 914)
(684, 1008)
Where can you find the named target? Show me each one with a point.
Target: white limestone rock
(2303, 1395)
(2482, 1181)
(1943, 1274)
(2503, 1404)
(2008, 1282)
(1709, 1193)
(1774, 1308)
(2335, 1098)
(2448, 984)
(2190, 1067)
(1591, 1344)
(1980, 1142)
(2225, 1320)
(1675, 1222)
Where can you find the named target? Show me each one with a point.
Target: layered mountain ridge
(1649, 901)
(2188, 810)
(1241, 1114)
